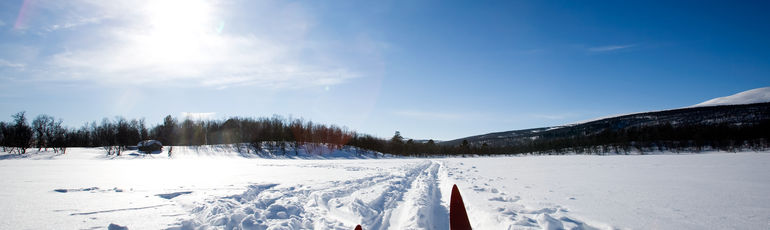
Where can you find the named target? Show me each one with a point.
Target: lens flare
(21, 19)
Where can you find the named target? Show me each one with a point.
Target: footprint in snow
(504, 199)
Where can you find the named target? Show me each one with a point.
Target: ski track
(408, 198)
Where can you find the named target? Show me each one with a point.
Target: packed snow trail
(369, 201)
(408, 197)
(422, 207)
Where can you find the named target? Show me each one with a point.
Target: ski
(458, 217)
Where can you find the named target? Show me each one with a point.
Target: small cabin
(149, 146)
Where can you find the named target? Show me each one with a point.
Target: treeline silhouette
(117, 134)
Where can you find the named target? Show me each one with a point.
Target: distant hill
(737, 115)
(713, 118)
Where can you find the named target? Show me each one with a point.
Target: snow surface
(758, 95)
(216, 187)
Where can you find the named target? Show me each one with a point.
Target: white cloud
(76, 23)
(552, 116)
(610, 48)
(429, 115)
(198, 116)
(532, 51)
(6, 63)
(2, 23)
(191, 43)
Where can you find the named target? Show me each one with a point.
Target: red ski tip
(358, 227)
(458, 217)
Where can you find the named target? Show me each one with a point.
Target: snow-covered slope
(758, 95)
(216, 188)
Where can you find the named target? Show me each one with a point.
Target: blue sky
(430, 69)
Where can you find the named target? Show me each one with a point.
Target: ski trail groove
(422, 208)
(406, 198)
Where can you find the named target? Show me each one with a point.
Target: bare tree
(20, 137)
(42, 126)
(4, 132)
(143, 134)
(106, 135)
(59, 138)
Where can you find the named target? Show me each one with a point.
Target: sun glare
(177, 30)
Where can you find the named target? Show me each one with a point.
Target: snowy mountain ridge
(752, 96)
(758, 95)
(745, 108)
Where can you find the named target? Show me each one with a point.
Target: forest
(118, 134)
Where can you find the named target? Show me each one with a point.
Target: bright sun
(177, 30)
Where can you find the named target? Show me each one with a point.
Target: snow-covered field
(220, 188)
